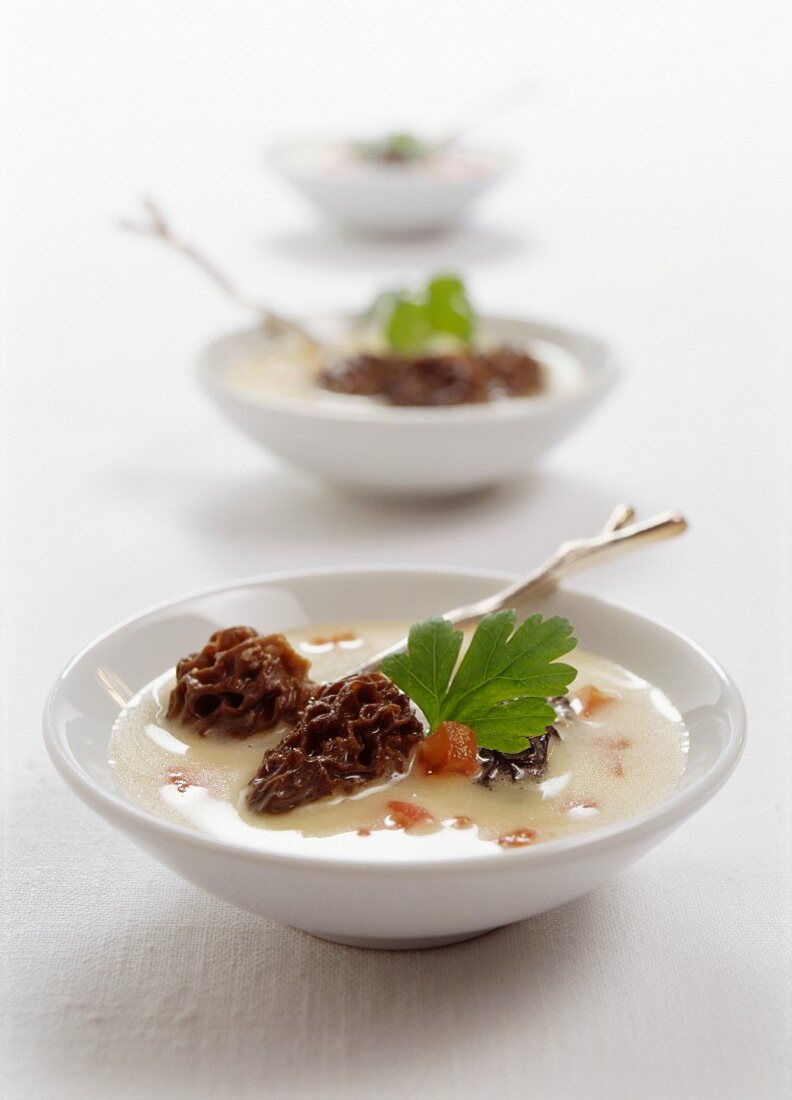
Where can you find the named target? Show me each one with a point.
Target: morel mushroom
(240, 683)
(351, 733)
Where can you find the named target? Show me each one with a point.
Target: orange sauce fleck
(518, 839)
(334, 639)
(462, 822)
(405, 814)
(586, 809)
(363, 831)
(613, 747)
(180, 781)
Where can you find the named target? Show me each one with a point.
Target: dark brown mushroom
(240, 683)
(351, 733)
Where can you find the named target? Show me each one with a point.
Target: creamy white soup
(288, 367)
(343, 162)
(613, 758)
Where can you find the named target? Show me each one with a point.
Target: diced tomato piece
(405, 814)
(592, 698)
(451, 749)
(518, 839)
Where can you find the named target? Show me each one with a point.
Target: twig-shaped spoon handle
(503, 100)
(619, 534)
(158, 227)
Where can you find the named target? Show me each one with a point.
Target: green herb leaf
(394, 148)
(504, 680)
(413, 321)
(509, 726)
(407, 328)
(424, 670)
(504, 663)
(448, 307)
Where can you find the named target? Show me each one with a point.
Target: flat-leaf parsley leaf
(424, 670)
(501, 687)
(413, 321)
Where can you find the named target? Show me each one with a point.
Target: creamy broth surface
(628, 756)
(288, 368)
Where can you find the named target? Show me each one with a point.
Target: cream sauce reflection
(626, 757)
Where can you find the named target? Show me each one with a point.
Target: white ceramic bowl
(389, 199)
(362, 444)
(402, 902)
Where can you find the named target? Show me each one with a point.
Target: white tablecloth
(652, 206)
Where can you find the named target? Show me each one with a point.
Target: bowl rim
(597, 361)
(679, 805)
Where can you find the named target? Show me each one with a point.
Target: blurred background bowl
(363, 444)
(377, 198)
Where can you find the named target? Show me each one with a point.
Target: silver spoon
(618, 534)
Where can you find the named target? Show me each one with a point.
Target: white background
(652, 206)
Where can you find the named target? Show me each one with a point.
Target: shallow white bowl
(401, 902)
(389, 199)
(362, 444)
